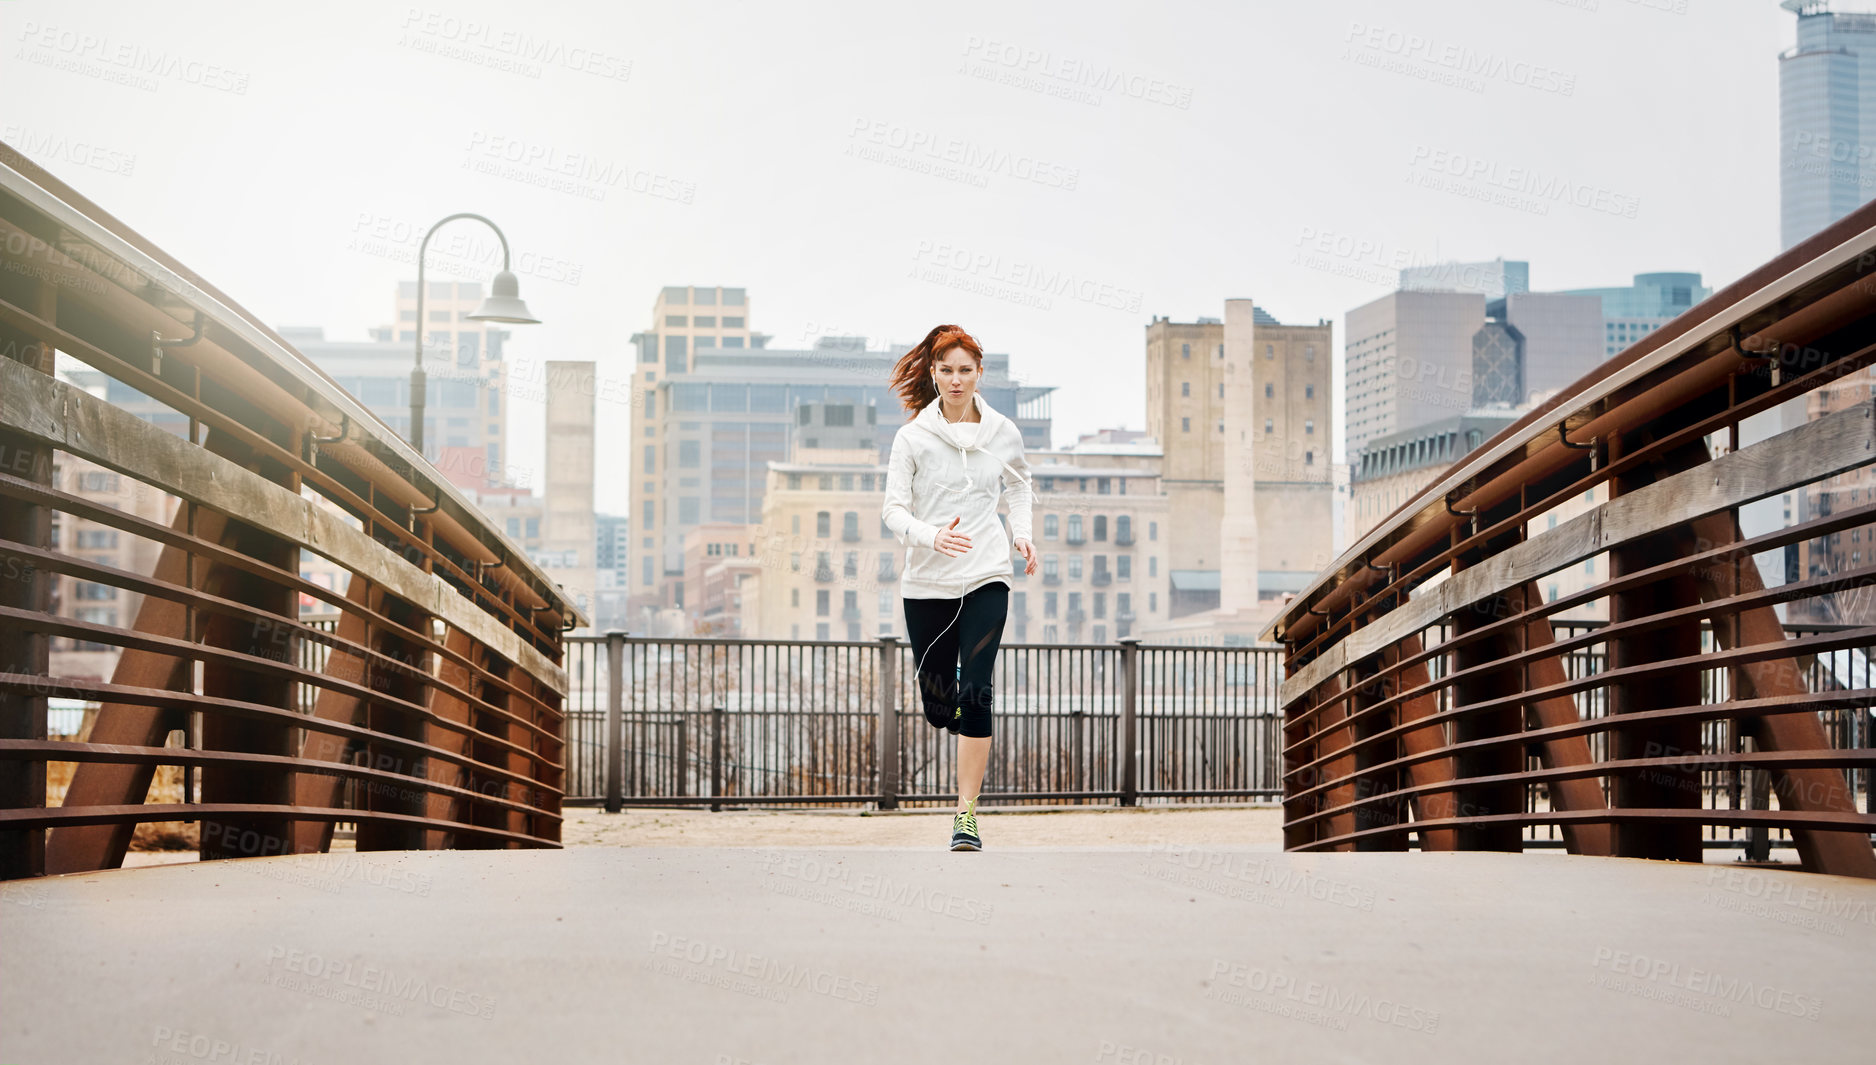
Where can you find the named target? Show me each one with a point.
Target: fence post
(888, 723)
(716, 757)
(1129, 709)
(615, 721)
(682, 761)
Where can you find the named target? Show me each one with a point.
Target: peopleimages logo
(1069, 71)
(1328, 998)
(130, 59)
(975, 160)
(468, 33)
(1525, 181)
(1706, 987)
(1461, 61)
(1020, 276)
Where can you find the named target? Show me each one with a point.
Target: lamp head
(504, 303)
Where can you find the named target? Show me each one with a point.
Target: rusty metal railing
(426, 708)
(1427, 701)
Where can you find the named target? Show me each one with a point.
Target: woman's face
(956, 372)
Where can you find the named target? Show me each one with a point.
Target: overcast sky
(1110, 162)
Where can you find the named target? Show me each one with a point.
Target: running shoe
(964, 829)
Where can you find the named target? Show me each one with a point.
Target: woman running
(950, 463)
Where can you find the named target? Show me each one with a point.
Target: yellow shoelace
(966, 819)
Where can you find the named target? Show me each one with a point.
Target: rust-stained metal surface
(426, 708)
(1426, 698)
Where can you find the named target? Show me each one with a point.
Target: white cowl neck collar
(965, 436)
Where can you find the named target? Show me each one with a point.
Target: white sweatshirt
(939, 471)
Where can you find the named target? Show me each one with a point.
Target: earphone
(970, 485)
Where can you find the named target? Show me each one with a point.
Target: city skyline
(869, 247)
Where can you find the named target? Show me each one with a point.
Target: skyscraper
(1826, 118)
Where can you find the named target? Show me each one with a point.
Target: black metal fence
(813, 722)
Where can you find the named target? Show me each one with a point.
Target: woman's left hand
(1028, 551)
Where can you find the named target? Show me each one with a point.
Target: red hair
(911, 375)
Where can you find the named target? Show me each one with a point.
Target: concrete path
(1166, 955)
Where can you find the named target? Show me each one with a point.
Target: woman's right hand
(950, 542)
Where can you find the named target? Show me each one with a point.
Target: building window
(1074, 529)
(1309, 458)
(1270, 351)
(1185, 388)
(97, 481)
(1309, 425)
(1049, 572)
(97, 538)
(823, 524)
(688, 456)
(1100, 524)
(1185, 351)
(1270, 426)
(1050, 524)
(1152, 530)
(1309, 352)
(1152, 602)
(794, 597)
(1152, 565)
(651, 464)
(1185, 425)
(1074, 567)
(821, 600)
(794, 484)
(646, 512)
(1123, 567)
(1123, 526)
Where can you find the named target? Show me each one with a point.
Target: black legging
(961, 703)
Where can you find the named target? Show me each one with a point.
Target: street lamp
(502, 305)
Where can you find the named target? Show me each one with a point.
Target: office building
(719, 406)
(1241, 408)
(1494, 279)
(612, 557)
(465, 425)
(570, 530)
(1826, 118)
(1417, 357)
(1634, 311)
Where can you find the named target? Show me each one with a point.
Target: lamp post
(502, 305)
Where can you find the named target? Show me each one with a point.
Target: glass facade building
(1826, 117)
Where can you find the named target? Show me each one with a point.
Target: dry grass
(166, 787)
